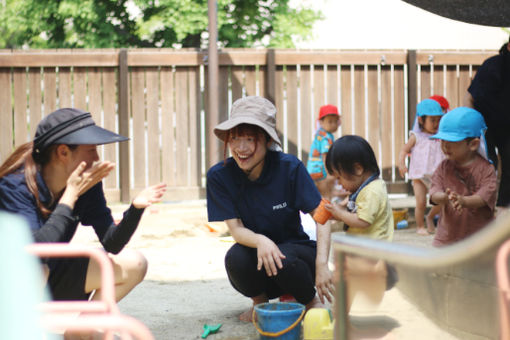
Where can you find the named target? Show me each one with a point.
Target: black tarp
(479, 12)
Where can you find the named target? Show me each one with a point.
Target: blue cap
(429, 107)
(459, 124)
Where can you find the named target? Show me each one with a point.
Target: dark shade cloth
(480, 12)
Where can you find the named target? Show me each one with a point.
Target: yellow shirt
(374, 208)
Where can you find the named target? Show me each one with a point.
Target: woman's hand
(268, 255)
(149, 195)
(324, 283)
(82, 179)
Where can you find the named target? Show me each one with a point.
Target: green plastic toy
(210, 329)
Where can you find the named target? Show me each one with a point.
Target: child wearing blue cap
(425, 156)
(464, 185)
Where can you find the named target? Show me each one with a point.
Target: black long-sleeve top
(90, 210)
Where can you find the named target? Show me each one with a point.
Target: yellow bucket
(399, 215)
(318, 324)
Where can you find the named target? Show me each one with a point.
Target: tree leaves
(150, 23)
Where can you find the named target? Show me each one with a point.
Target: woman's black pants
(297, 277)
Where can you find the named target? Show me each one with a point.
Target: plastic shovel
(210, 329)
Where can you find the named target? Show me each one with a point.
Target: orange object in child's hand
(321, 214)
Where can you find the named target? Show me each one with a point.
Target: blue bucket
(280, 320)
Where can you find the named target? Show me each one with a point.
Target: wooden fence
(158, 98)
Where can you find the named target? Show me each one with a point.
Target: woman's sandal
(422, 231)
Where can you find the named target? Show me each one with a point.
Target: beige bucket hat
(252, 110)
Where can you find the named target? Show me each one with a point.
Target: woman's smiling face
(248, 147)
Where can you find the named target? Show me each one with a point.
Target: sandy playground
(186, 285)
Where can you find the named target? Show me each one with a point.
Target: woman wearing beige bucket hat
(259, 192)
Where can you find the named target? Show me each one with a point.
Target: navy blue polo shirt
(269, 205)
(90, 208)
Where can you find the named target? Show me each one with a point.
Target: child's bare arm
(439, 198)
(469, 202)
(406, 149)
(340, 212)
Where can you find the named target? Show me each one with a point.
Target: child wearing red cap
(329, 121)
(445, 105)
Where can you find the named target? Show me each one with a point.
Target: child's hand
(455, 199)
(402, 169)
(337, 209)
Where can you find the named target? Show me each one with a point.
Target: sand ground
(186, 285)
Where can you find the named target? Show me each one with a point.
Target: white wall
(394, 24)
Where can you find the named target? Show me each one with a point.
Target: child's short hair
(349, 150)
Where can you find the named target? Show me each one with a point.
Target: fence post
(123, 127)
(412, 84)
(213, 145)
(271, 75)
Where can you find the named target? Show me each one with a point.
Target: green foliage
(150, 23)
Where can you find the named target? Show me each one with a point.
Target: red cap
(442, 101)
(328, 110)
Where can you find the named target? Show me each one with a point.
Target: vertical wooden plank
(399, 116)
(278, 98)
(452, 86)
(95, 109)
(20, 106)
(109, 96)
(464, 82)
(182, 125)
(359, 101)
(386, 124)
(292, 111)
(307, 116)
(154, 154)
(262, 75)
(64, 87)
(236, 76)
(6, 137)
(438, 80)
(194, 126)
(318, 89)
(34, 99)
(346, 106)
(80, 88)
(374, 118)
(124, 119)
(167, 126)
(332, 85)
(95, 90)
(50, 90)
(425, 82)
(270, 77)
(138, 116)
(412, 83)
(223, 111)
(250, 80)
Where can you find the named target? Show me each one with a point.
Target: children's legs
(435, 210)
(129, 266)
(420, 194)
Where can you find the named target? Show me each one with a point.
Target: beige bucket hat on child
(252, 110)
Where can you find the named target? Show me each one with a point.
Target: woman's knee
(133, 265)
